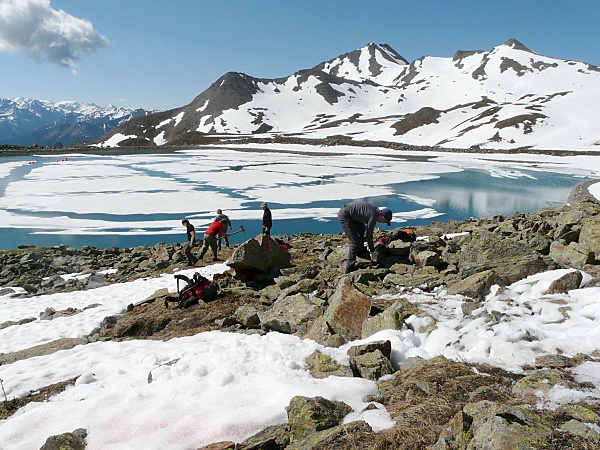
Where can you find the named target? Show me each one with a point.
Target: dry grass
(8, 408)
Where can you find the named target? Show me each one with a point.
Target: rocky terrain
(437, 404)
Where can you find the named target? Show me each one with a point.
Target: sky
(160, 55)
(218, 386)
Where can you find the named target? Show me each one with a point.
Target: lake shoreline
(327, 142)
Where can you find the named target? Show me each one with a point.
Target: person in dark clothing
(191, 240)
(226, 225)
(353, 217)
(267, 219)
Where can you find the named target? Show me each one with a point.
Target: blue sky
(160, 54)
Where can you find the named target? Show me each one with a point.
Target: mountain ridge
(26, 121)
(507, 98)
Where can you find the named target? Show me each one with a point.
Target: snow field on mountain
(488, 99)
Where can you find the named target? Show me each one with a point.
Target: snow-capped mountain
(509, 97)
(29, 122)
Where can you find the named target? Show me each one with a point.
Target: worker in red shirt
(211, 237)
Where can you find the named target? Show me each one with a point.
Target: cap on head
(387, 214)
(264, 205)
(219, 211)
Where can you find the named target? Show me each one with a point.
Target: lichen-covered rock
(372, 365)
(335, 438)
(292, 314)
(572, 255)
(539, 381)
(273, 437)
(513, 259)
(320, 332)
(589, 237)
(307, 415)
(476, 286)
(66, 441)
(390, 319)
(321, 365)
(490, 425)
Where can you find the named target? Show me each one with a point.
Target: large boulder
(512, 259)
(348, 309)
(259, 256)
(290, 315)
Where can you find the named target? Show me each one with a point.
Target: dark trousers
(219, 244)
(355, 231)
(190, 257)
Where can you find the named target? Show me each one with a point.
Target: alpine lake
(461, 194)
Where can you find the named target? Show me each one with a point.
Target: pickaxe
(235, 232)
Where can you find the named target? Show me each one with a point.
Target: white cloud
(46, 34)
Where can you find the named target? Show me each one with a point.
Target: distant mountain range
(506, 98)
(29, 122)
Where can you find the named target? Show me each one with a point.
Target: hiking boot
(349, 269)
(216, 259)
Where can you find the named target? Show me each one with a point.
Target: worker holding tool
(358, 220)
(212, 235)
(226, 225)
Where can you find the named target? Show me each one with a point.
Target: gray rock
(513, 259)
(372, 365)
(572, 255)
(273, 437)
(348, 309)
(493, 426)
(566, 283)
(248, 315)
(309, 415)
(292, 314)
(476, 286)
(332, 437)
(321, 365)
(260, 255)
(67, 441)
(390, 319)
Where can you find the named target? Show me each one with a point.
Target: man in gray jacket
(226, 225)
(353, 217)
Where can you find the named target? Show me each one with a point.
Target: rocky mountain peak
(513, 43)
(366, 63)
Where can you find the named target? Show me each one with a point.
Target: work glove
(375, 256)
